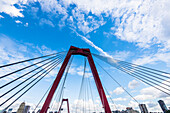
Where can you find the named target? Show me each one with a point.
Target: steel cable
(81, 86)
(29, 83)
(91, 93)
(150, 70)
(33, 85)
(26, 79)
(25, 74)
(138, 77)
(42, 97)
(140, 73)
(66, 74)
(29, 60)
(26, 67)
(118, 83)
(110, 97)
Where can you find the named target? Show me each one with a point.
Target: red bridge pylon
(86, 53)
(62, 104)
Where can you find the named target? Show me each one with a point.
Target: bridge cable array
(117, 83)
(46, 68)
(30, 59)
(85, 93)
(81, 86)
(42, 97)
(91, 94)
(27, 74)
(65, 77)
(60, 92)
(110, 97)
(155, 78)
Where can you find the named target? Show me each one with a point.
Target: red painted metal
(62, 104)
(55, 84)
(84, 52)
(99, 85)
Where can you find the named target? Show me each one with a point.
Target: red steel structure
(78, 51)
(62, 104)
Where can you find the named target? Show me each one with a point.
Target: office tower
(26, 109)
(143, 108)
(163, 106)
(21, 108)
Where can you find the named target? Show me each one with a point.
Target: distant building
(10, 110)
(21, 108)
(163, 106)
(123, 111)
(143, 108)
(26, 109)
(117, 111)
(130, 110)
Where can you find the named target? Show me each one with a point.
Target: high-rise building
(21, 108)
(26, 109)
(143, 108)
(163, 106)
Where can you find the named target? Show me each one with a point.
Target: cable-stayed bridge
(45, 64)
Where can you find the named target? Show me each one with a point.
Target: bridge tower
(86, 53)
(62, 104)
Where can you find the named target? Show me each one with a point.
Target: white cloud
(121, 55)
(93, 45)
(52, 6)
(153, 106)
(96, 6)
(7, 6)
(12, 51)
(26, 24)
(18, 22)
(150, 90)
(86, 24)
(133, 84)
(44, 21)
(118, 91)
(120, 99)
(144, 97)
(79, 70)
(141, 23)
(87, 105)
(1, 16)
(152, 58)
(150, 96)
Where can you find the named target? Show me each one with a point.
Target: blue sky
(128, 30)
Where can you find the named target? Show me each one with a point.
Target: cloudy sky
(136, 31)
